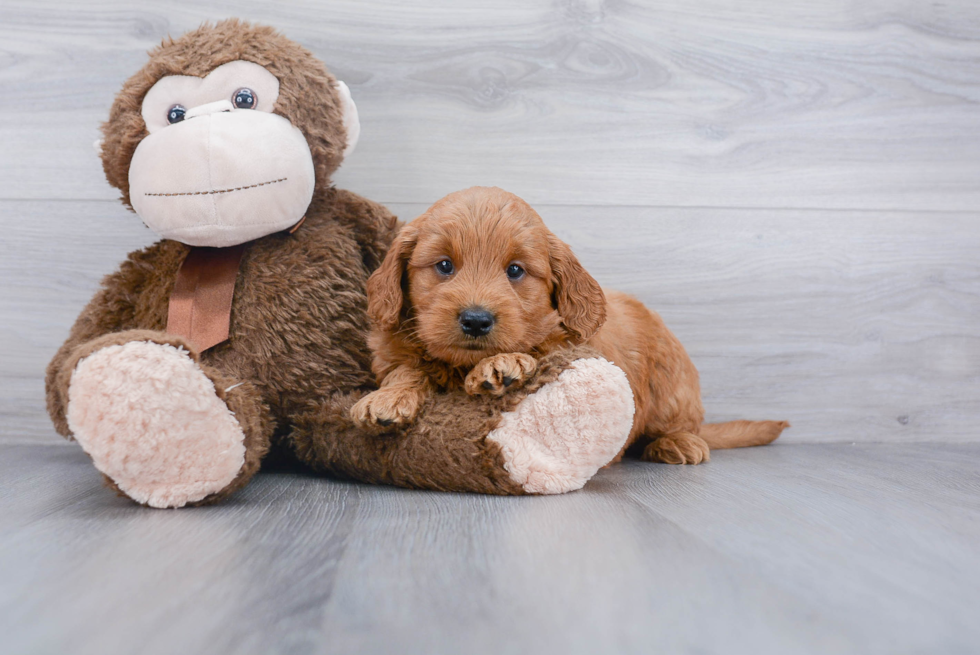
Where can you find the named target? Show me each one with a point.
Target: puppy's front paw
(388, 406)
(499, 374)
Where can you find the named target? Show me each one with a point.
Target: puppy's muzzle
(476, 321)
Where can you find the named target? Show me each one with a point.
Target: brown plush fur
(444, 450)
(419, 346)
(298, 321)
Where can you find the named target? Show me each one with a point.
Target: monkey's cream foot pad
(151, 421)
(559, 436)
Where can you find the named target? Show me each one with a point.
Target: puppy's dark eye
(515, 272)
(445, 267)
(245, 99)
(176, 114)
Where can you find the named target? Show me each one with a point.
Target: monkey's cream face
(218, 167)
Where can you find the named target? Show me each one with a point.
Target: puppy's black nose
(476, 321)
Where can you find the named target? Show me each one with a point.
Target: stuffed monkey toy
(244, 328)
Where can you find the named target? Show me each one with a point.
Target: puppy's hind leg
(677, 448)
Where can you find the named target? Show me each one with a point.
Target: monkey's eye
(176, 114)
(244, 98)
(515, 272)
(445, 267)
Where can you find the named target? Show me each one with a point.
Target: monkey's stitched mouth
(217, 191)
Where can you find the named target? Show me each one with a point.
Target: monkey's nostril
(476, 321)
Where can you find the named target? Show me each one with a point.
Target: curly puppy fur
(296, 358)
(417, 304)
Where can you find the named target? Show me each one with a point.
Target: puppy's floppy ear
(577, 296)
(386, 286)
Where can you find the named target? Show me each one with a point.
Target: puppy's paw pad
(501, 373)
(388, 406)
(680, 448)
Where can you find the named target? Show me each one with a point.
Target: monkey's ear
(577, 296)
(352, 124)
(386, 286)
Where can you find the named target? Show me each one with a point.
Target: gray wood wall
(794, 186)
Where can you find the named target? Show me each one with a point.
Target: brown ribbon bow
(200, 304)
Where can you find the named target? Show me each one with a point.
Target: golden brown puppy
(476, 288)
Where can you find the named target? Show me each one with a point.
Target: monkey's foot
(559, 436)
(151, 421)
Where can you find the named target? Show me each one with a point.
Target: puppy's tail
(739, 434)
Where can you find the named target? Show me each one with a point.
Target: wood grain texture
(829, 104)
(190, 578)
(785, 549)
(854, 326)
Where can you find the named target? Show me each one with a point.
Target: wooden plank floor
(786, 549)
